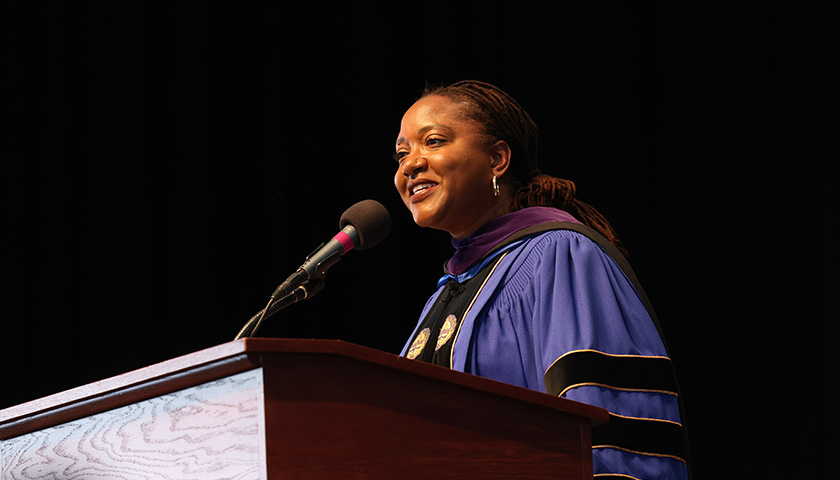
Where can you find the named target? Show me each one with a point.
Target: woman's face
(445, 168)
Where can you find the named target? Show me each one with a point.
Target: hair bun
(546, 190)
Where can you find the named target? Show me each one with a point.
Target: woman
(538, 293)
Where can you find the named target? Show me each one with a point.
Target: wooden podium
(262, 408)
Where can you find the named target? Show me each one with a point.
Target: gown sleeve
(566, 320)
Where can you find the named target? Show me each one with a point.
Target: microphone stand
(304, 292)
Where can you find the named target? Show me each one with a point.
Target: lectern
(262, 408)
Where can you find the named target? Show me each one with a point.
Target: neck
(500, 208)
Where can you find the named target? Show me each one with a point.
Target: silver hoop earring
(495, 187)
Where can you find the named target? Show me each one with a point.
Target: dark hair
(503, 118)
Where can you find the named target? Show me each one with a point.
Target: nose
(413, 164)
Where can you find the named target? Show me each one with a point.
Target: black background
(168, 164)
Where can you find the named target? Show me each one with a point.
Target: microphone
(304, 292)
(363, 226)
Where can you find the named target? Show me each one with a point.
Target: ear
(500, 154)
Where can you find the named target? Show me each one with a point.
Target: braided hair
(504, 119)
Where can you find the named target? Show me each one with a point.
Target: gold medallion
(419, 344)
(446, 331)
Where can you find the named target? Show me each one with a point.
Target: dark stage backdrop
(166, 165)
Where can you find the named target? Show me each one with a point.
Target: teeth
(420, 188)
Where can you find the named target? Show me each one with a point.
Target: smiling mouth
(419, 191)
(422, 187)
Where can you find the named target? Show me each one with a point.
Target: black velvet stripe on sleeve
(587, 367)
(624, 372)
(645, 436)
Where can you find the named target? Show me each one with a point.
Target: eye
(435, 141)
(400, 155)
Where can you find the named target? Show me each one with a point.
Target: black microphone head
(371, 221)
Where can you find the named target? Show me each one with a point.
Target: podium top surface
(238, 356)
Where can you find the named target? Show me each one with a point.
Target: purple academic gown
(558, 295)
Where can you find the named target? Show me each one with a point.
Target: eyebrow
(422, 131)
